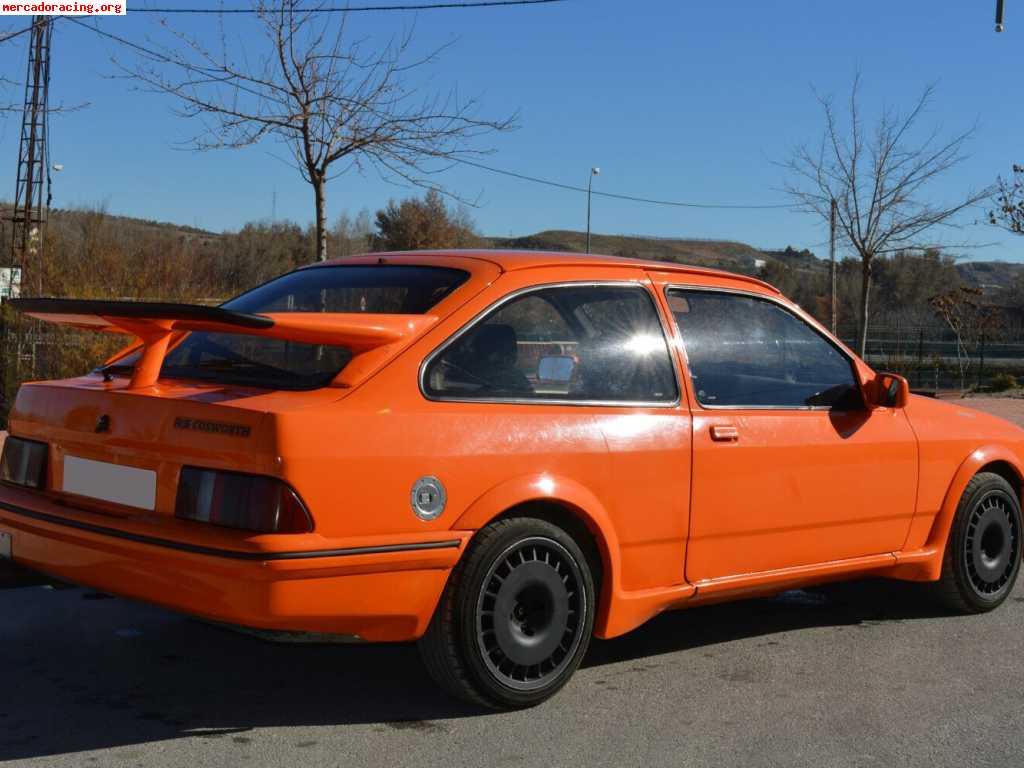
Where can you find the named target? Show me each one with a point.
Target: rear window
(376, 288)
(281, 364)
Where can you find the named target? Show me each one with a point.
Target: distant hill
(989, 275)
(73, 217)
(724, 254)
(730, 255)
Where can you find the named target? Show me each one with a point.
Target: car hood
(945, 419)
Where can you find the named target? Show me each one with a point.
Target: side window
(745, 351)
(580, 343)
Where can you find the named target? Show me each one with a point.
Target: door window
(567, 343)
(746, 351)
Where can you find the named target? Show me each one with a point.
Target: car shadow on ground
(134, 675)
(853, 604)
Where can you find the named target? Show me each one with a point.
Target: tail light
(236, 500)
(24, 462)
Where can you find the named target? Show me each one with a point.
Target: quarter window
(578, 343)
(745, 351)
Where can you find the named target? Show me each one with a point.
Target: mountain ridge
(735, 256)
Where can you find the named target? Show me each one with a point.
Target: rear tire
(983, 553)
(516, 617)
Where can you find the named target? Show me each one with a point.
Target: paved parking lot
(866, 674)
(861, 674)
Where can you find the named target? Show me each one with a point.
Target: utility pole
(28, 215)
(590, 181)
(833, 215)
(999, 15)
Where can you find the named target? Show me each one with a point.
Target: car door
(790, 467)
(575, 381)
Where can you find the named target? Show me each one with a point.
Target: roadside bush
(1003, 381)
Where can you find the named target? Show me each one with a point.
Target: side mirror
(556, 368)
(887, 390)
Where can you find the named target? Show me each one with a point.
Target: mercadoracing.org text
(63, 9)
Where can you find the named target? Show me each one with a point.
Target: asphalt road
(859, 675)
(856, 675)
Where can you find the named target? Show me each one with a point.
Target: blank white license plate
(130, 486)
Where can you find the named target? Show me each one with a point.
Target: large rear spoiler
(371, 337)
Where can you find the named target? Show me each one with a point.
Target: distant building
(10, 283)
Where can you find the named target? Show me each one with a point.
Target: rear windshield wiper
(107, 371)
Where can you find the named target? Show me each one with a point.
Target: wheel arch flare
(564, 502)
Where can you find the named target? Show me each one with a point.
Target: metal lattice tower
(17, 347)
(29, 214)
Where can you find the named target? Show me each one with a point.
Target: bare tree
(878, 179)
(10, 104)
(957, 308)
(334, 104)
(972, 321)
(1009, 202)
(353, 235)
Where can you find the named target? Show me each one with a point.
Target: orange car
(499, 455)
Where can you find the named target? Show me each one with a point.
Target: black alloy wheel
(530, 613)
(983, 554)
(516, 617)
(991, 543)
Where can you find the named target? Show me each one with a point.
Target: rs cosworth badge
(213, 427)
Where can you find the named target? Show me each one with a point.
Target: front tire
(516, 617)
(983, 553)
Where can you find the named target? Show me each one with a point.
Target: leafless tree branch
(878, 180)
(1008, 199)
(327, 97)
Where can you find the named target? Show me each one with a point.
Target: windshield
(243, 360)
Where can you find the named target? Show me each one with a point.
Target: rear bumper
(376, 590)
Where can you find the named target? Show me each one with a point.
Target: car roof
(512, 260)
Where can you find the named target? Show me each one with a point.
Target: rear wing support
(372, 338)
(155, 338)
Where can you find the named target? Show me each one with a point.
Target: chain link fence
(932, 358)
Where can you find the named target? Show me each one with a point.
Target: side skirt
(629, 610)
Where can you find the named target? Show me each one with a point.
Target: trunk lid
(158, 430)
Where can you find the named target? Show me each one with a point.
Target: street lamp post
(590, 181)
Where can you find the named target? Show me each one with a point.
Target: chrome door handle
(724, 433)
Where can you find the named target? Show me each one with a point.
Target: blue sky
(673, 99)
